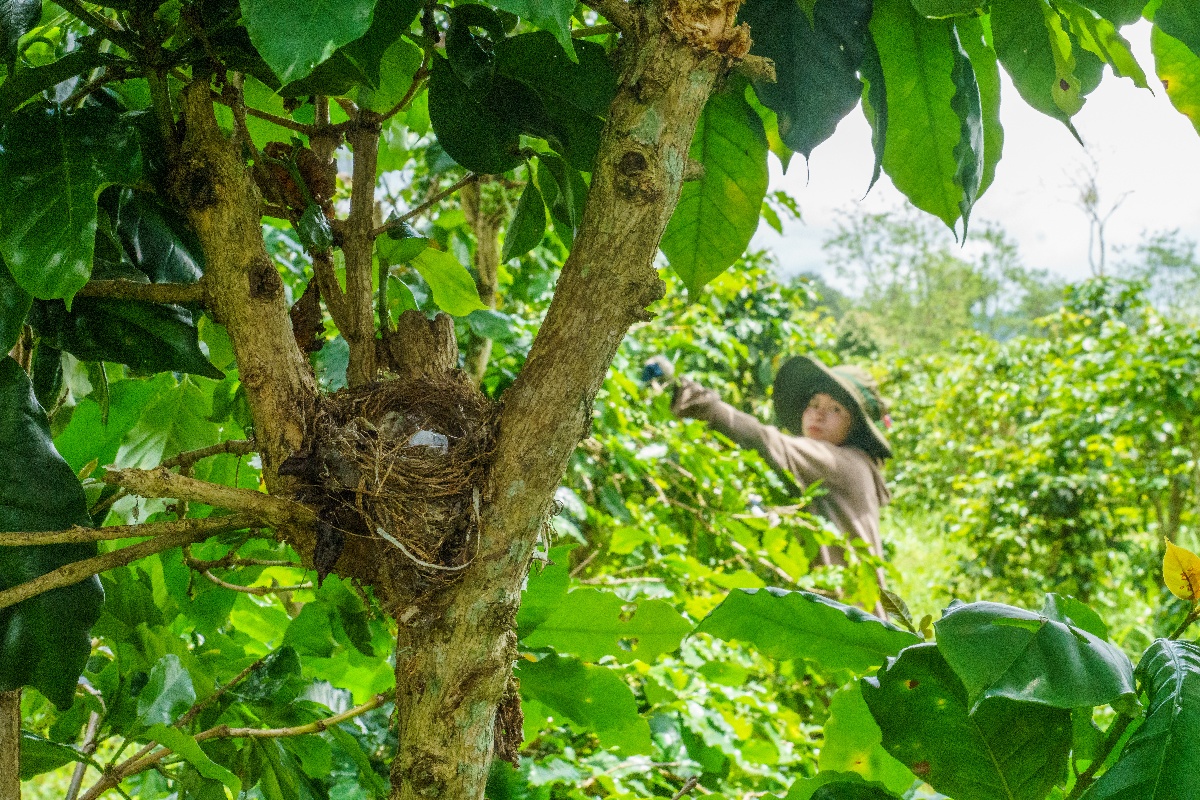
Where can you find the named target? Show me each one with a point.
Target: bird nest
(396, 471)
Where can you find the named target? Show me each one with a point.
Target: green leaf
(948, 8)
(314, 230)
(790, 625)
(28, 82)
(186, 746)
(874, 106)
(1036, 52)
(453, 288)
(17, 18)
(45, 640)
(466, 128)
(528, 225)
(545, 591)
(293, 38)
(591, 698)
(1040, 659)
(816, 63)
(1069, 610)
(987, 78)
(553, 16)
(575, 96)
(469, 53)
(591, 624)
(90, 436)
(969, 152)
(854, 743)
(278, 680)
(1178, 67)
(1163, 755)
(168, 693)
(1119, 12)
(40, 755)
(1180, 19)
(157, 241)
(840, 785)
(53, 165)
(149, 337)
(487, 323)
(718, 214)
(1101, 38)
(176, 420)
(923, 128)
(563, 190)
(1005, 750)
(399, 66)
(14, 305)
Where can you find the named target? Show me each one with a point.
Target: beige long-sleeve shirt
(854, 484)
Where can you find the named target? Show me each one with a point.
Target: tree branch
(102, 25)
(358, 243)
(147, 292)
(136, 764)
(255, 590)
(615, 11)
(264, 508)
(414, 87)
(76, 571)
(78, 533)
(233, 447)
(471, 177)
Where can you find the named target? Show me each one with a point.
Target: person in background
(839, 415)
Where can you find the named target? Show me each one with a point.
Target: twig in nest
(416, 560)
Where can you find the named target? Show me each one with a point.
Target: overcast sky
(1146, 151)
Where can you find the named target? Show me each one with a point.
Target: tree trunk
(453, 667)
(10, 745)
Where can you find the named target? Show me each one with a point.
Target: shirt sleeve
(808, 460)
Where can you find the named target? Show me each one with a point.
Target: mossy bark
(10, 745)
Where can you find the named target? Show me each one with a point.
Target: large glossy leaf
(590, 623)
(1163, 755)
(14, 305)
(923, 130)
(788, 625)
(854, 743)
(1101, 38)
(987, 78)
(40, 755)
(1037, 54)
(1002, 651)
(28, 82)
(838, 786)
(293, 38)
(53, 165)
(167, 694)
(718, 213)
(187, 747)
(1119, 12)
(875, 106)
(156, 240)
(553, 16)
(1005, 750)
(816, 62)
(453, 288)
(176, 420)
(1180, 19)
(467, 129)
(17, 18)
(576, 96)
(149, 337)
(44, 641)
(1178, 67)
(590, 698)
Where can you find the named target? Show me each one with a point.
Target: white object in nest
(431, 439)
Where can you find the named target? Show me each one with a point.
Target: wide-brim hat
(801, 377)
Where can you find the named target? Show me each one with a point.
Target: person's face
(826, 419)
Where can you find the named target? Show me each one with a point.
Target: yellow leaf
(1181, 571)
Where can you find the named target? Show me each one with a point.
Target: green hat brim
(800, 378)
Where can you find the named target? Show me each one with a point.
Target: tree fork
(453, 665)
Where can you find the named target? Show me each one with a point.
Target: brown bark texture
(10, 745)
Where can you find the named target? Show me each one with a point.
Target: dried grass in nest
(426, 502)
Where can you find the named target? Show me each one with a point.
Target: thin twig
(200, 705)
(1115, 732)
(687, 787)
(147, 292)
(87, 748)
(1192, 616)
(76, 571)
(283, 122)
(255, 590)
(414, 87)
(79, 533)
(233, 447)
(141, 762)
(102, 25)
(396, 222)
